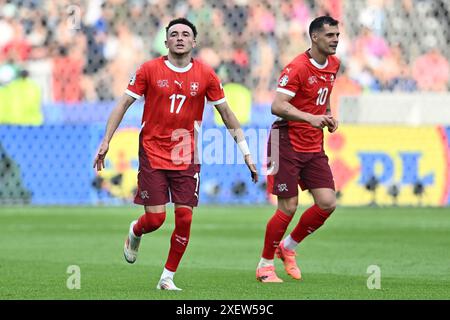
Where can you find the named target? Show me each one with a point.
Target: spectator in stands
(263, 51)
(7, 14)
(66, 77)
(431, 71)
(289, 48)
(241, 32)
(126, 51)
(394, 73)
(18, 49)
(373, 46)
(373, 16)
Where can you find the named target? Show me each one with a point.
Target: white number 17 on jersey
(172, 102)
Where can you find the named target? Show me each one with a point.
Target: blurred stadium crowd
(87, 50)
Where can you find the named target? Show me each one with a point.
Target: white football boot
(130, 249)
(167, 284)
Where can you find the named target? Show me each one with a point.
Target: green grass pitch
(410, 245)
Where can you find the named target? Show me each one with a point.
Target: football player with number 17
(175, 88)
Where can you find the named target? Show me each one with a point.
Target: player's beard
(332, 50)
(328, 51)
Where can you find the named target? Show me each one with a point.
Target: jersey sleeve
(214, 92)
(290, 80)
(138, 84)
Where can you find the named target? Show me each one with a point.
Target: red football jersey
(309, 84)
(174, 100)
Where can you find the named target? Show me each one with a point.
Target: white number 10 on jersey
(172, 102)
(322, 96)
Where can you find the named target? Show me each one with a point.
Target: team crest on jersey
(163, 83)
(332, 78)
(133, 79)
(194, 88)
(284, 80)
(312, 79)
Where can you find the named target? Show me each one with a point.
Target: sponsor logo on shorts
(282, 187)
(144, 195)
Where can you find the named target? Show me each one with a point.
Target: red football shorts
(155, 186)
(309, 170)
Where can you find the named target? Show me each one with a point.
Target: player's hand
(99, 160)
(334, 127)
(251, 166)
(321, 121)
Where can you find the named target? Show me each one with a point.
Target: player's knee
(288, 207)
(328, 205)
(152, 221)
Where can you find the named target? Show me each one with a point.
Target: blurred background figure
(252, 40)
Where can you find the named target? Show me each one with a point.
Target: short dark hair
(318, 23)
(185, 22)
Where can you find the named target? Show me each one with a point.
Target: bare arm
(114, 120)
(331, 128)
(283, 108)
(231, 122)
(234, 127)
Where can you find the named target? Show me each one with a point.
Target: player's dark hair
(318, 23)
(182, 21)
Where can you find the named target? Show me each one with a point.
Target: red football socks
(180, 237)
(309, 222)
(148, 222)
(276, 227)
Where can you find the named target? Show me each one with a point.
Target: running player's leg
(184, 191)
(314, 217)
(316, 177)
(275, 229)
(153, 195)
(282, 182)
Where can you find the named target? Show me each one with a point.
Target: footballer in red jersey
(302, 103)
(176, 88)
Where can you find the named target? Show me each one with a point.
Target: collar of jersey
(177, 69)
(318, 66)
(314, 62)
